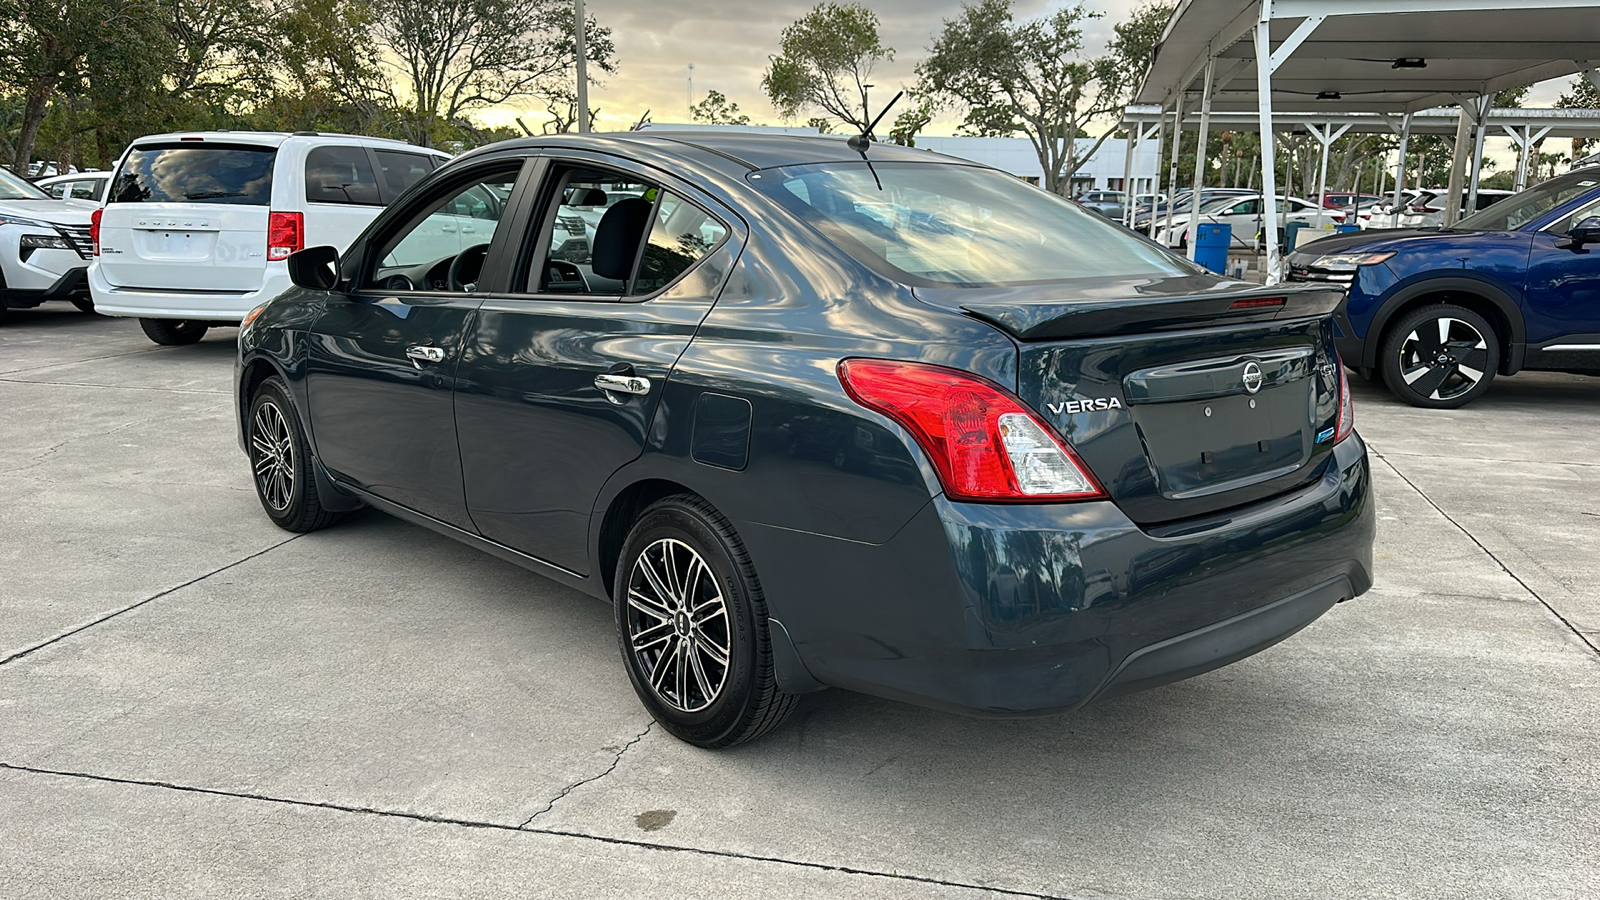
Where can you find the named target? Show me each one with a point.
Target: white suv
(44, 246)
(197, 225)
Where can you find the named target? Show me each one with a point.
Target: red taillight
(1425, 209)
(1257, 302)
(983, 442)
(286, 233)
(1347, 406)
(94, 229)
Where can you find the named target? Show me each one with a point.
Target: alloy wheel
(272, 456)
(1443, 358)
(678, 625)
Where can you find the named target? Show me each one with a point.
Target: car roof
(73, 176)
(260, 138)
(746, 150)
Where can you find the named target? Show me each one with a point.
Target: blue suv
(1438, 312)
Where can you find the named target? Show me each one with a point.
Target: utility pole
(689, 95)
(583, 67)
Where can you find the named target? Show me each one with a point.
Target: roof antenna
(862, 141)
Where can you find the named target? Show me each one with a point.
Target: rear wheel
(692, 623)
(280, 462)
(174, 332)
(1440, 357)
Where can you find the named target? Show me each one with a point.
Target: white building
(1104, 171)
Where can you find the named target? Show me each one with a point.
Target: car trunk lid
(1184, 399)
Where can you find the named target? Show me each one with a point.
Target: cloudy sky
(729, 43)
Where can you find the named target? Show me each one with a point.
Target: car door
(560, 379)
(381, 359)
(1562, 299)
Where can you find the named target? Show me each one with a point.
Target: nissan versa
(811, 413)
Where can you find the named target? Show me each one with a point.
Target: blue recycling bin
(1345, 229)
(1211, 244)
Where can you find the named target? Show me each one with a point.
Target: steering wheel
(466, 268)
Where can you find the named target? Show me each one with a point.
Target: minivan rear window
(196, 173)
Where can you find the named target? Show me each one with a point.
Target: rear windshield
(934, 224)
(196, 173)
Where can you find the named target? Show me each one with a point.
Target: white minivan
(197, 225)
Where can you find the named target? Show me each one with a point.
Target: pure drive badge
(1073, 407)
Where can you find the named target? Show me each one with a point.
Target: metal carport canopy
(1562, 123)
(1394, 56)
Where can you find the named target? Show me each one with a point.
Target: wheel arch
(620, 514)
(1496, 306)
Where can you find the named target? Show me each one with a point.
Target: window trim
(544, 204)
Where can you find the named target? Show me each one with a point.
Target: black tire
(174, 332)
(280, 462)
(672, 621)
(1439, 357)
(84, 304)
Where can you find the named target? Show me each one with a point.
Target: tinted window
(682, 235)
(934, 223)
(341, 175)
(59, 189)
(402, 170)
(196, 173)
(1518, 210)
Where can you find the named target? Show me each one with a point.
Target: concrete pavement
(193, 703)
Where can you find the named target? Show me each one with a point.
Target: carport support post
(582, 53)
(1325, 137)
(1480, 126)
(1400, 171)
(1524, 142)
(1269, 162)
(1177, 144)
(1200, 153)
(1127, 170)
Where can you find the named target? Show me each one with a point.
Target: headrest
(582, 196)
(616, 238)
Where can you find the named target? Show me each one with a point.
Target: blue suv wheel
(1440, 357)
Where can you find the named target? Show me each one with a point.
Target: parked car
(1382, 212)
(1147, 219)
(81, 186)
(1245, 216)
(1438, 313)
(1111, 204)
(197, 225)
(44, 168)
(1345, 200)
(1427, 210)
(794, 447)
(44, 246)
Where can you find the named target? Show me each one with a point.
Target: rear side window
(196, 173)
(402, 170)
(341, 175)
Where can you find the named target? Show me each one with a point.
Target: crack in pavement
(44, 455)
(115, 387)
(593, 778)
(1489, 553)
(497, 826)
(74, 362)
(151, 599)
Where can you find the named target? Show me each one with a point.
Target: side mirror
(315, 268)
(1585, 232)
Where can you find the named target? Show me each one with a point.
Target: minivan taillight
(286, 233)
(985, 445)
(94, 229)
(1347, 406)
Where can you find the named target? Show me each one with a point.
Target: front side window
(341, 175)
(445, 249)
(196, 172)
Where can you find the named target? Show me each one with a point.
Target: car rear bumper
(1034, 609)
(151, 303)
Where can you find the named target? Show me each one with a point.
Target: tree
(716, 109)
(1031, 77)
(911, 122)
(48, 48)
(451, 57)
(1581, 94)
(825, 61)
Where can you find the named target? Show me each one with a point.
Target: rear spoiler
(1035, 320)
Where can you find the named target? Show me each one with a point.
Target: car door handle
(623, 384)
(425, 354)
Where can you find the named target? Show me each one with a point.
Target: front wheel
(280, 460)
(692, 623)
(1440, 357)
(174, 332)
